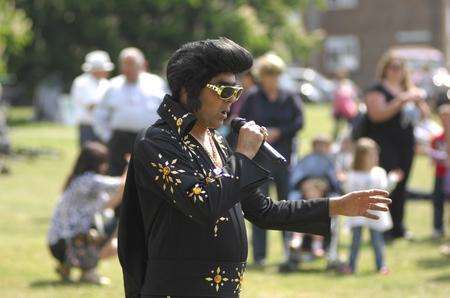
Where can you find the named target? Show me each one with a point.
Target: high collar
(180, 120)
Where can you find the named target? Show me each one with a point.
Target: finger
(380, 200)
(378, 207)
(377, 192)
(264, 131)
(370, 215)
(256, 128)
(370, 193)
(249, 124)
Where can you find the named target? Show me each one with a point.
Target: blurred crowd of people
(109, 114)
(373, 149)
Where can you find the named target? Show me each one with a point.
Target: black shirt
(182, 229)
(391, 130)
(284, 113)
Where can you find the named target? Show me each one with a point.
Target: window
(413, 36)
(342, 4)
(342, 52)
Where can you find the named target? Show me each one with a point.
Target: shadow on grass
(273, 268)
(443, 278)
(436, 262)
(18, 122)
(423, 242)
(44, 283)
(52, 283)
(306, 271)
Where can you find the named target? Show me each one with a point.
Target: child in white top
(367, 174)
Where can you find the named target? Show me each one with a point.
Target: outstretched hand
(358, 203)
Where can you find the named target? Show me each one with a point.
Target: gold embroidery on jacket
(168, 174)
(238, 280)
(188, 146)
(216, 226)
(217, 279)
(197, 193)
(179, 121)
(223, 147)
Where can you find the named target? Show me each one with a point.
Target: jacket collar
(172, 112)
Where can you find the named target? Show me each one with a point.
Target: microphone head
(237, 123)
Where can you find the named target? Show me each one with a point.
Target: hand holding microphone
(251, 140)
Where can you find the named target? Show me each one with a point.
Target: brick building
(358, 32)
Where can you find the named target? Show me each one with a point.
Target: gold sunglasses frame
(219, 89)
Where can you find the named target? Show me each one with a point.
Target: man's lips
(224, 113)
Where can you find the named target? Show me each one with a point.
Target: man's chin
(216, 124)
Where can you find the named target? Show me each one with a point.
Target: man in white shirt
(88, 90)
(130, 104)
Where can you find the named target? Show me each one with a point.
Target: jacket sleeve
(305, 216)
(163, 166)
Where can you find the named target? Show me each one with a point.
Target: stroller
(314, 166)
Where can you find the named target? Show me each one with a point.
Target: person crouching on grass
(74, 238)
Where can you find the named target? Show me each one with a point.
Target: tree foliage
(15, 32)
(65, 30)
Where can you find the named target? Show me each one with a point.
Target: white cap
(97, 60)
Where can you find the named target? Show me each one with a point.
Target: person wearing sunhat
(87, 91)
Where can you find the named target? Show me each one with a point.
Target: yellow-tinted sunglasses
(226, 92)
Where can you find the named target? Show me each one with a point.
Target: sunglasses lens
(227, 92)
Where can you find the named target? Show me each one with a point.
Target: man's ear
(183, 96)
(145, 66)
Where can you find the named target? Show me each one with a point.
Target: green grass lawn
(28, 195)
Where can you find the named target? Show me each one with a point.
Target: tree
(15, 32)
(65, 30)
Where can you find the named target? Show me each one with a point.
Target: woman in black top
(394, 105)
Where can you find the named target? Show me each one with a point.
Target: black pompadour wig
(194, 64)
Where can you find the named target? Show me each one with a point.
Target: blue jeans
(377, 241)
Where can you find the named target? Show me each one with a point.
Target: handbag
(83, 249)
(82, 252)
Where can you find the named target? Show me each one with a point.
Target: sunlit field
(28, 195)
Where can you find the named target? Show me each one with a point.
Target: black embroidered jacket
(182, 229)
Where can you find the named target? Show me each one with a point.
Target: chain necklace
(212, 152)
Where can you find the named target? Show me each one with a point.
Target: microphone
(265, 148)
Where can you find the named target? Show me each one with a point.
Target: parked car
(311, 85)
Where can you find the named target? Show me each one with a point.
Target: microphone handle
(272, 153)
